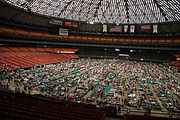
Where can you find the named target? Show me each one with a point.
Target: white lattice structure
(105, 11)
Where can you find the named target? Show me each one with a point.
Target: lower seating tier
(14, 60)
(20, 106)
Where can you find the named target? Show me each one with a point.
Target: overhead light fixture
(123, 55)
(131, 50)
(142, 59)
(117, 50)
(91, 22)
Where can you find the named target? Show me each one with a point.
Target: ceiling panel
(105, 11)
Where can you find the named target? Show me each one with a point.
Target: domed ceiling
(105, 11)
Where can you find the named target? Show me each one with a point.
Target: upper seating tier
(41, 35)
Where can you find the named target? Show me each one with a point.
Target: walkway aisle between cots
(137, 91)
(88, 94)
(126, 91)
(160, 103)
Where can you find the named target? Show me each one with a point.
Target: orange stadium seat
(22, 32)
(46, 35)
(27, 33)
(36, 34)
(7, 30)
(22, 57)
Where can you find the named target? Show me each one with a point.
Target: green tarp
(107, 88)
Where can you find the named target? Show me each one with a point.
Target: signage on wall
(132, 28)
(71, 24)
(145, 28)
(56, 22)
(126, 27)
(104, 28)
(115, 29)
(155, 28)
(63, 31)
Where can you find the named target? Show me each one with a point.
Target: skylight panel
(111, 11)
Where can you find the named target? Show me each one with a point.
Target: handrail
(153, 113)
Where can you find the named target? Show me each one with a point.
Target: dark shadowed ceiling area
(105, 11)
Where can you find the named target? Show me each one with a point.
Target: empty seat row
(36, 49)
(140, 117)
(23, 107)
(14, 60)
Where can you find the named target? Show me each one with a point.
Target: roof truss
(106, 11)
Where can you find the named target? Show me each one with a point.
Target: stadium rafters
(105, 11)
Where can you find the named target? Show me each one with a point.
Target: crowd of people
(101, 82)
